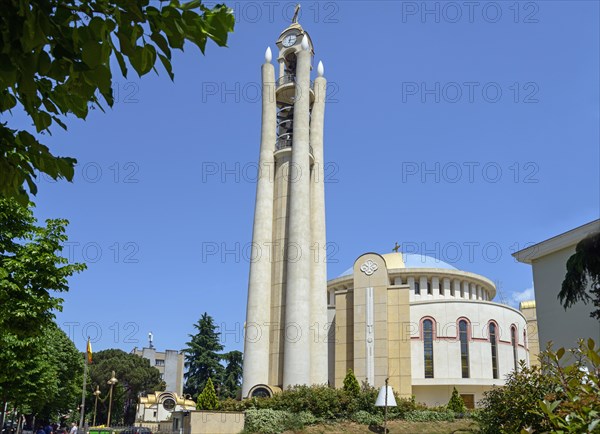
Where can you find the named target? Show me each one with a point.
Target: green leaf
(161, 43)
(7, 101)
(167, 65)
(91, 53)
(42, 121)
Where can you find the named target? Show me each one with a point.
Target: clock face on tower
(289, 40)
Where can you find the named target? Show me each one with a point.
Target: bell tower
(285, 340)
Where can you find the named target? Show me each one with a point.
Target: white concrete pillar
(410, 281)
(472, 291)
(423, 283)
(464, 293)
(446, 284)
(435, 285)
(296, 359)
(456, 286)
(256, 332)
(318, 305)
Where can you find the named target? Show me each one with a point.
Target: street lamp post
(97, 394)
(110, 382)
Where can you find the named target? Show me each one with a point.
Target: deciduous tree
(582, 281)
(135, 376)
(31, 270)
(57, 59)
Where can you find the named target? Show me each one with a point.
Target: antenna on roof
(150, 339)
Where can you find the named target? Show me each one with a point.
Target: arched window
(494, 345)
(417, 286)
(464, 347)
(428, 347)
(513, 341)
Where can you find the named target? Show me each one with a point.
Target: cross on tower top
(296, 12)
(396, 247)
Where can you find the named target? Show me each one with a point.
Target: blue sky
(465, 134)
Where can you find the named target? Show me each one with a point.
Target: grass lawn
(461, 426)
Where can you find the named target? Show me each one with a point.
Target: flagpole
(85, 369)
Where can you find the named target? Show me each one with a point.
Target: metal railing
(288, 79)
(287, 143)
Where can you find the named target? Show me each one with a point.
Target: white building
(158, 406)
(548, 261)
(423, 324)
(169, 363)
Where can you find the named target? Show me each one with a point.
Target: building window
(159, 362)
(452, 294)
(494, 345)
(441, 283)
(429, 290)
(464, 348)
(513, 341)
(469, 400)
(428, 347)
(169, 404)
(417, 287)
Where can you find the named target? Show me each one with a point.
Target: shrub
(403, 406)
(266, 421)
(456, 403)
(297, 421)
(231, 404)
(269, 421)
(574, 404)
(429, 416)
(560, 396)
(207, 400)
(351, 385)
(511, 408)
(366, 418)
(321, 401)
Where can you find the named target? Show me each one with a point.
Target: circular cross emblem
(369, 267)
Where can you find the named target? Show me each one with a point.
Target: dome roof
(408, 260)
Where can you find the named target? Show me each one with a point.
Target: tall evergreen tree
(202, 358)
(351, 383)
(208, 400)
(232, 378)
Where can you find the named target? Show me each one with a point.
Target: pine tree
(232, 379)
(351, 383)
(207, 400)
(202, 358)
(456, 403)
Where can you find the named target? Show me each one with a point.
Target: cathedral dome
(408, 260)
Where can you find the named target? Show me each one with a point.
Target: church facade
(423, 324)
